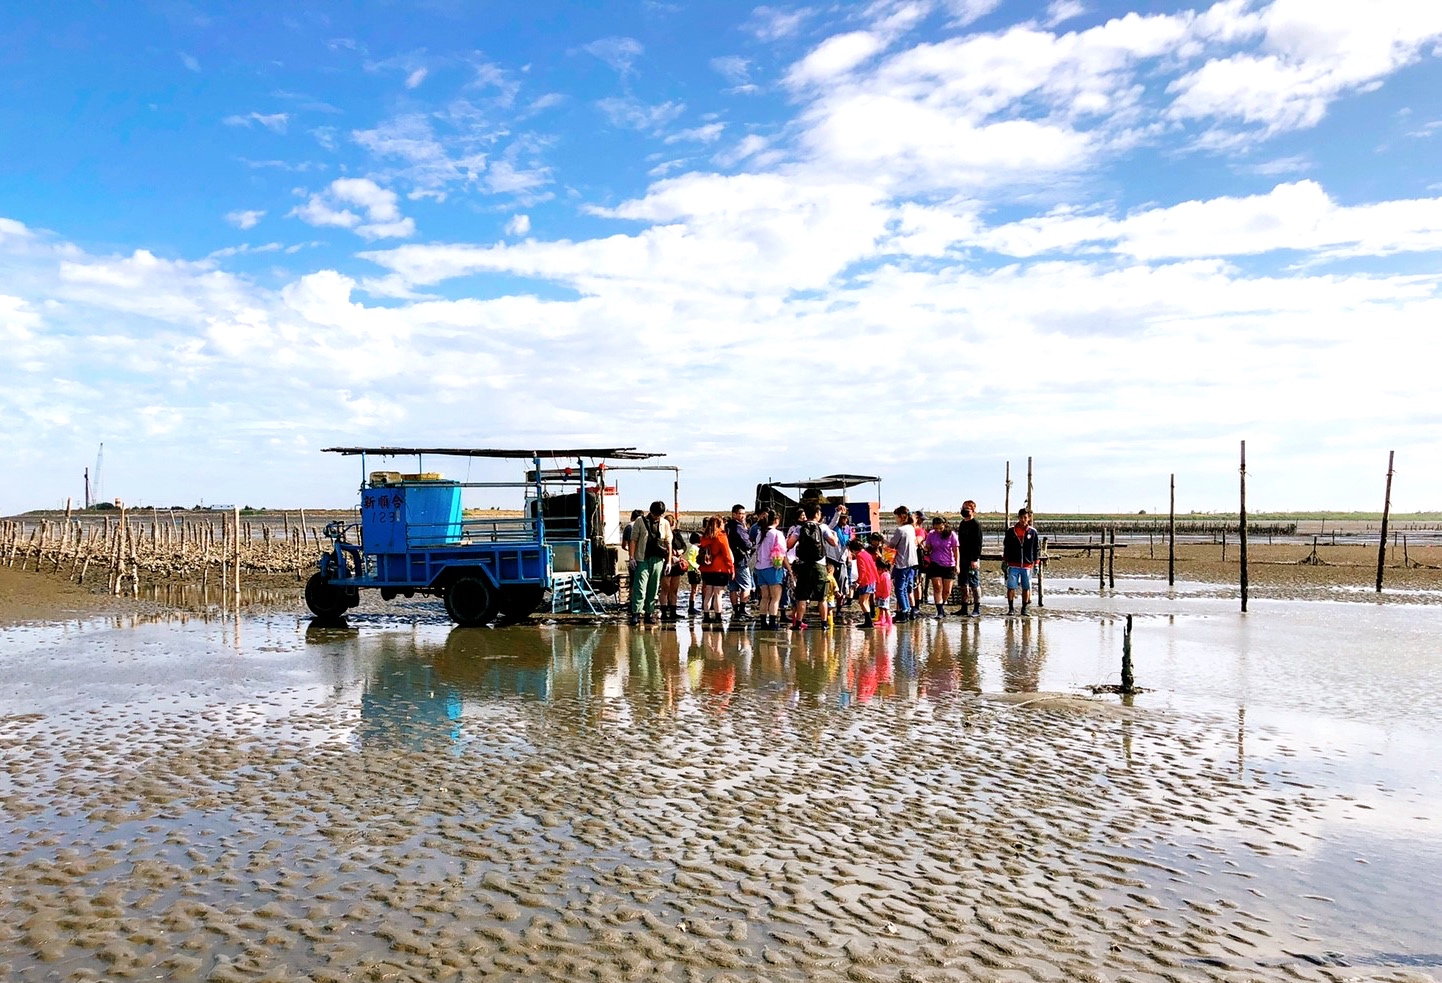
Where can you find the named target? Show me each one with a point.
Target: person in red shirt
(717, 568)
(865, 590)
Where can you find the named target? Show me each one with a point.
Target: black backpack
(810, 545)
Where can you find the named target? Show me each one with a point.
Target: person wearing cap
(650, 549)
(1020, 548)
(968, 534)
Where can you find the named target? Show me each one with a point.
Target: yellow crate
(379, 479)
(422, 476)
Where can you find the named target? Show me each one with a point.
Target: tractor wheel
(519, 601)
(326, 600)
(470, 601)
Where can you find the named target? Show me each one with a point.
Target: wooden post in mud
(1129, 682)
(1006, 502)
(1172, 537)
(1386, 511)
(1243, 526)
(1112, 561)
(1102, 561)
(1028, 484)
(237, 557)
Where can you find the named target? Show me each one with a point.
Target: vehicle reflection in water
(418, 686)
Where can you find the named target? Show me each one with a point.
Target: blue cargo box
(396, 518)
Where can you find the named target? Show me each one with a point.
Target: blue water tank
(420, 515)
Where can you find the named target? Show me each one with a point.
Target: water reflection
(419, 686)
(1025, 655)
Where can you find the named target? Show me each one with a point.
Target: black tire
(470, 601)
(326, 600)
(519, 601)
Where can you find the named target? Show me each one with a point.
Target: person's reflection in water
(1022, 662)
(968, 663)
(718, 671)
(864, 668)
(941, 674)
(907, 660)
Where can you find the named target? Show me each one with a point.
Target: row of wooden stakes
(126, 548)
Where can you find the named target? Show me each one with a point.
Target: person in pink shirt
(942, 550)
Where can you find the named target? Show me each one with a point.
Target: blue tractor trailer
(413, 536)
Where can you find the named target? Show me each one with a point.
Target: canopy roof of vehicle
(826, 482)
(612, 453)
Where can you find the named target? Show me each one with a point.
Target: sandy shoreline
(671, 810)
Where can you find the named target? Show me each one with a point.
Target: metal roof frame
(614, 453)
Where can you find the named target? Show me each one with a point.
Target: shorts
(1018, 578)
(971, 577)
(693, 577)
(861, 589)
(770, 576)
(718, 579)
(945, 573)
(741, 579)
(810, 580)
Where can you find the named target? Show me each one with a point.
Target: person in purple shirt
(943, 551)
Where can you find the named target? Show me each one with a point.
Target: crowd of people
(774, 577)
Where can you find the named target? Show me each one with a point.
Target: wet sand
(264, 799)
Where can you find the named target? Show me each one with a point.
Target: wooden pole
(1112, 561)
(1028, 484)
(1243, 526)
(1172, 537)
(1006, 506)
(1386, 511)
(1102, 561)
(1129, 682)
(237, 557)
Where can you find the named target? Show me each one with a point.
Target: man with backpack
(810, 540)
(650, 549)
(740, 538)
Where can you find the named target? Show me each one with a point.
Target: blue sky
(918, 239)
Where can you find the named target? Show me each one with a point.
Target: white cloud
(244, 219)
(425, 161)
(771, 24)
(1060, 11)
(835, 57)
(733, 68)
(964, 12)
(190, 62)
(1299, 216)
(618, 52)
(383, 219)
(1313, 51)
(275, 122)
(518, 225)
(415, 78)
(709, 133)
(632, 114)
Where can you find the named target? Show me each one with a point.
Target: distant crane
(95, 493)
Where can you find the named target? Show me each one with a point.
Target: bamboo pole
(1243, 525)
(1006, 507)
(237, 554)
(1112, 561)
(1172, 536)
(1386, 512)
(1028, 484)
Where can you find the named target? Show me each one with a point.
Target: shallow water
(264, 797)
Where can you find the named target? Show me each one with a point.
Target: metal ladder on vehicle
(572, 593)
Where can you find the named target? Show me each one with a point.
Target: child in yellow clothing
(828, 606)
